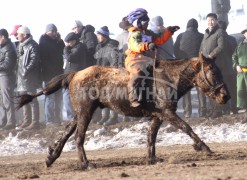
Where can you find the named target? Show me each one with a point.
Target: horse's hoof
(48, 162)
(151, 161)
(201, 146)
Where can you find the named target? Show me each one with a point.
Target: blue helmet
(138, 14)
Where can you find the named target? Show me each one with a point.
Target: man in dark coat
(75, 59)
(107, 54)
(86, 35)
(224, 62)
(8, 59)
(28, 80)
(51, 53)
(212, 45)
(187, 45)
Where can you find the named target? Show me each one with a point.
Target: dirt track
(175, 162)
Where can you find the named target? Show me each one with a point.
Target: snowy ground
(131, 137)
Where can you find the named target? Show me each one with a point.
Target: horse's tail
(56, 83)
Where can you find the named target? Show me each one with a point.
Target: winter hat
(157, 21)
(50, 27)
(70, 37)
(104, 31)
(125, 24)
(156, 24)
(23, 30)
(14, 32)
(192, 23)
(77, 23)
(4, 32)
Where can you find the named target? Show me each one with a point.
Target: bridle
(205, 81)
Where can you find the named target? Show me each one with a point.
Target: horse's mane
(94, 73)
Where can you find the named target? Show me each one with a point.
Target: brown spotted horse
(99, 86)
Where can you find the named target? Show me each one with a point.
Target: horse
(99, 86)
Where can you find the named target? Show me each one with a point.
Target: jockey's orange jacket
(136, 45)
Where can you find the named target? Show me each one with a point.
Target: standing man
(51, 53)
(28, 80)
(224, 63)
(8, 59)
(86, 35)
(107, 54)
(212, 45)
(240, 65)
(187, 46)
(75, 59)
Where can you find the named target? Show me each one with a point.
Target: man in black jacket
(8, 59)
(51, 53)
(86, 35)
(75, 59)
(187, 45)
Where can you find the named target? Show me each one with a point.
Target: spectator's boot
(245, 117)
(105, 116)
(113, 119)
(35, 118)
(4, 122)
(127, 119)
(97, 115)
(27, 117)
(133, 97)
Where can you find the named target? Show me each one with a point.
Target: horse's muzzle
(223, 95)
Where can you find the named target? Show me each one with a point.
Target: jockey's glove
(174, 28)
(152, 46)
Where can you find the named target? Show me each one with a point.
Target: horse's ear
(201, 57)
(196, 63)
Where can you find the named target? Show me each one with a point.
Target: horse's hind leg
(82, 125)
(176, 121)
(55, 150)
(151, 139)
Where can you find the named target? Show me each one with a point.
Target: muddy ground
(229, 160)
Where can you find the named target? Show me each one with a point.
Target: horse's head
(209, 80)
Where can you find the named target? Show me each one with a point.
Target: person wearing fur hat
(140, 42)
(107, 54)
(122, 38)
(51, 52)
(240, 65)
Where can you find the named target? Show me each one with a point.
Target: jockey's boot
(133, 98)
(35, 118)
(27, 117)
(113, 119)
(105, 116)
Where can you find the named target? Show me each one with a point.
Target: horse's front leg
(55, 151)
(176, 121)
(151, 139)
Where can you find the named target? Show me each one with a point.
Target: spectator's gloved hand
(174, 28)
(152, 46)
